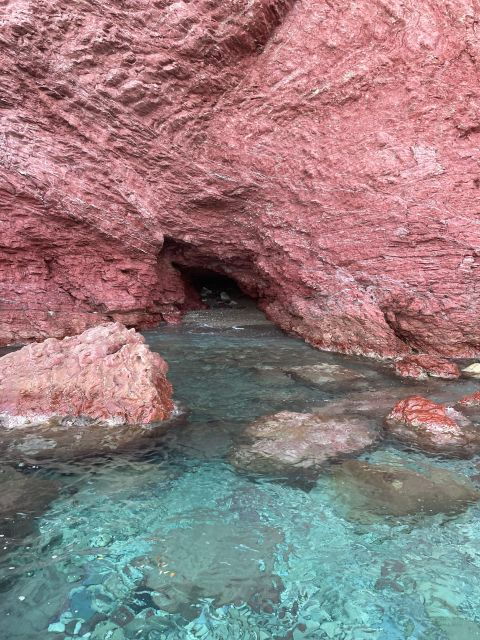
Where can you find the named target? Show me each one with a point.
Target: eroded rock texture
(433, 428)
(324, 155)
(106, 374)
(423, 366)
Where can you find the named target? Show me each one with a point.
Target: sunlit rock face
(325, 156)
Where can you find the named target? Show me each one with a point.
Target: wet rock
(289, 441)
(472, 371)
(471, 400)
(469, 406)
(230, 562)
(388, 489)
(370, 404)
(66, 439)
(23, 497)
(270, 374)
(325, 374)
(422, 366)
(432, 427)
(106, 373)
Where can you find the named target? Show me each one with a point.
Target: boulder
(66, 439)
(290, 442)
(470, 400)
(423, 365)
(326, 375)
(89, 394)
(433, 428)
(107, 373)
(469, 406)
(389, 489)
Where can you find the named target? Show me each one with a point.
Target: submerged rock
(107, 373)
(22, 498)
(325, 374)
(289, 441)
(387, 489)
(432, 427)
(229, 562)
(423, 366)
(71, 438)
(471, 400)
(469, 405)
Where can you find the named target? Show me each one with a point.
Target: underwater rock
(422, 366)
(63, 439)
(107, 373)
(456, 628)
(325, 374)
(23, 497)
(388, 489)
(470, 400)
(432, 427)
(229, 562)
(144, 135)
(107, 630)
(469, 406)
(289, 441)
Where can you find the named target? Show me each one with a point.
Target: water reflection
(169, 542)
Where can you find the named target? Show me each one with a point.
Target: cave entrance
(215, 290)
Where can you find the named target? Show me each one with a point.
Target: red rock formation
(106, 373)
(433, 427)
(323, 155)
(471, 400)
(423, 365)
(296, 442)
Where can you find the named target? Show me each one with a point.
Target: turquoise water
(171, 543)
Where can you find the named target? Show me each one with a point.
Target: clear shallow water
(171, 543)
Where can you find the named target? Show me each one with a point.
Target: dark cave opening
(216, 290)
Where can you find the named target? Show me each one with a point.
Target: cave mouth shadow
(216, 290)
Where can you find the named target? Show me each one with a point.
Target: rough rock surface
(433, 427)
(471, 400)
(106, 374)
(289, 441)
(40, 440)
(422, 366)
(387, 489)
(323, 155)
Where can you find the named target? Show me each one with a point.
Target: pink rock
(471, 400)
(290, 442)
(433, 427)
(423, 365)
(107, 373)
(324, 155)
